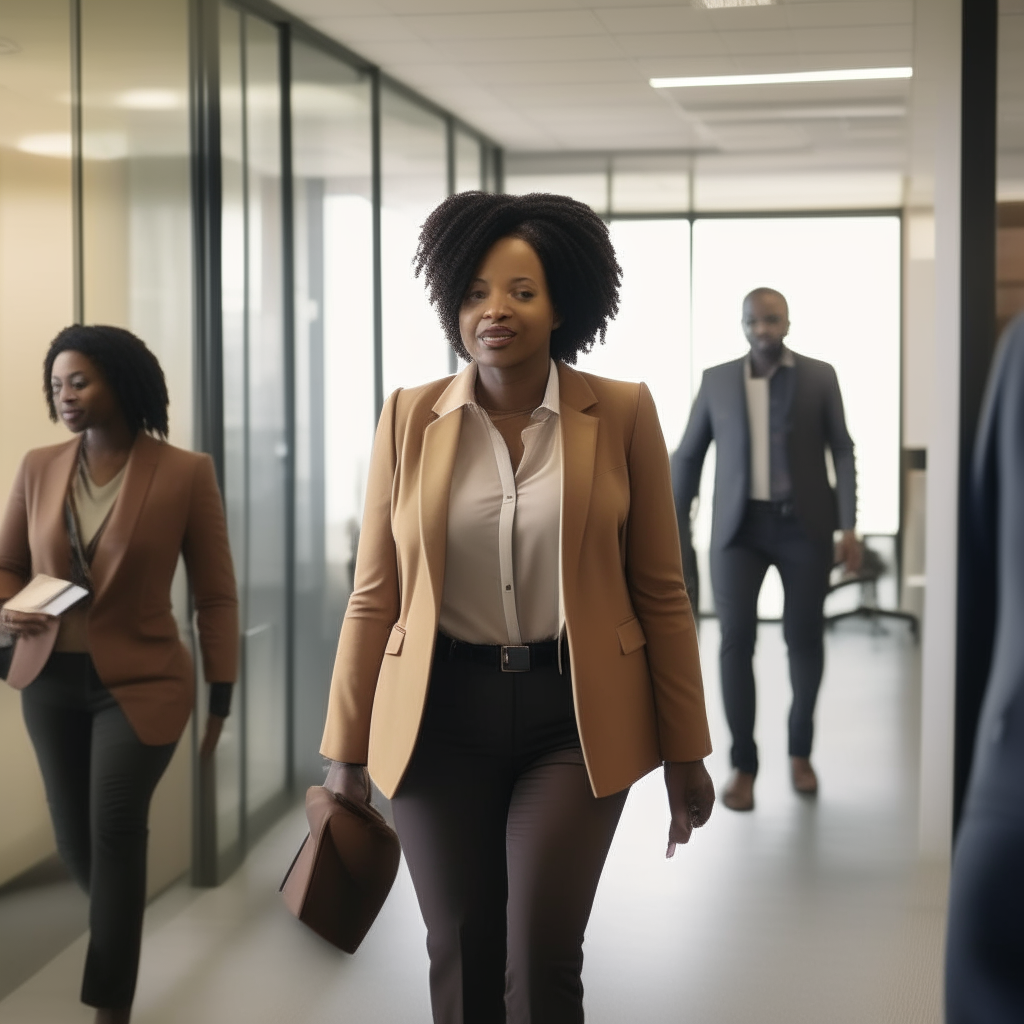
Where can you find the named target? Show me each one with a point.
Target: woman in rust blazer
(113, 509)
(519, 647)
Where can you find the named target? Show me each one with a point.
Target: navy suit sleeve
(841, 443)
(688, 459)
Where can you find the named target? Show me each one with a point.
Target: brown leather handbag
(344, 869)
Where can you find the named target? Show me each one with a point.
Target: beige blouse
(93, 503)
(502, 578)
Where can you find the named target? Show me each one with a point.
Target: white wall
(932, 360)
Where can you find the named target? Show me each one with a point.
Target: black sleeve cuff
(220, 699)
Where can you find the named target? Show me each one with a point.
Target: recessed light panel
(785, 78)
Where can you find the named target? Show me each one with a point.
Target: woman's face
(81, 394)
(507, 316)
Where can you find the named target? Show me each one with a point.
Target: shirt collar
(462, 392)
(787, 359)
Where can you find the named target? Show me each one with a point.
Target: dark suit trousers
(768, 537)
(505, 844)
(99, 778)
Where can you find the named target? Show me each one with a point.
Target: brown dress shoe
(739, 794)
(804, 779)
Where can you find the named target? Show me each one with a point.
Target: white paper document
(46, 595)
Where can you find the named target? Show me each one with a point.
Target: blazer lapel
(440, 446)
(579, 449)
(113, 544)
(59, 474)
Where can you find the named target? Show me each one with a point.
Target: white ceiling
(571, 75)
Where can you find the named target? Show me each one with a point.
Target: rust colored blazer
(633, 648)
(169, 504)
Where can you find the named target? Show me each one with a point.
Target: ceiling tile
(566, 48)
(354, 31)
(850, 12)
(498, 28)
(882, 39)
(572, 74)
(744, 19)
(312, 9)
(673, 44)
(673, 18)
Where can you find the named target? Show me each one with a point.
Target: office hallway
(800, 912)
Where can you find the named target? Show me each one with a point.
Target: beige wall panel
(35, 303)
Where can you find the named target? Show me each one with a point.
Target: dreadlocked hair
(569, 238)
(128, 367)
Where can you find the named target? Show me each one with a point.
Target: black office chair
(872, 568)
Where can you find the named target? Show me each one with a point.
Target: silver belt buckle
(515, 659)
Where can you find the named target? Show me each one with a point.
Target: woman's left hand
(691, 795)
(214, 724)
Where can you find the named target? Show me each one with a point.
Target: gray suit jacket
(816, 421)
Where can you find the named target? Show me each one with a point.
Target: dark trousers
(770, 535)
(505, 843)
(99, 778)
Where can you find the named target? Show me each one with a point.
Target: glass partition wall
(321, 173)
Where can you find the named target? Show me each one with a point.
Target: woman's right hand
(351, 781)
(24, 623)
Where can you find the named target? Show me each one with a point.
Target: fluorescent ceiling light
(788, 77)
(715, 4)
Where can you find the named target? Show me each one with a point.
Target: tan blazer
(633, 647)
(169, 504)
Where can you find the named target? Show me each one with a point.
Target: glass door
(253, 771)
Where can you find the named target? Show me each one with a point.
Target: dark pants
(99, 778)
(770, 535)
(505, 844)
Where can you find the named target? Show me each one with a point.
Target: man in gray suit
(771, 414)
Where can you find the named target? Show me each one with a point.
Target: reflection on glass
(650, 184)
(650, 338)
(584, 178)
(333, 367)
(136, 190)
(36, 301)
(256, 450)
(413, 181)
(468, 163)
(232, 112)
(266, 598)
(1010, 165)
(841, 276)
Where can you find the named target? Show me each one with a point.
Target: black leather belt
(508, 658)
(779, 508)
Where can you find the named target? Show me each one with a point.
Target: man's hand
(349, 780)
(849, 552)
(24, 623)
(214, 725)
(691, 795)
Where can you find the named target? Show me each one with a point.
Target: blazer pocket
(395, 640)
(631, 635)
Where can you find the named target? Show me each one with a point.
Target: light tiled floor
(800, 912)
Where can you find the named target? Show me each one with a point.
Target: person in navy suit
(773, 415)
(985, 941)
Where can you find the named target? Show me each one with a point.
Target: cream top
(94, 503)
(502, 579)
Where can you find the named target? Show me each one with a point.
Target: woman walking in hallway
(112, 510)
(519, 647)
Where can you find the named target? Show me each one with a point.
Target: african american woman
(519, 647)
(112, 510)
